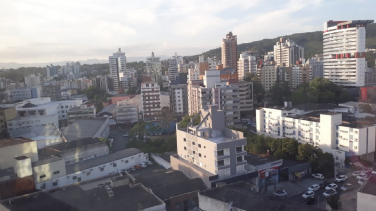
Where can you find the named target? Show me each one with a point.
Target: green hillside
(311, 41)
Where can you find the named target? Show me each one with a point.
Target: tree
(334, 202)
(365, 108)
(138, 130)
(290, 147)
(308, 152)
(279, 93)
(324, 163)
(187, 119)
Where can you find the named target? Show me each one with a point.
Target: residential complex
(117, 64)
(247, 64)
(344, 55)
(154, 67)
(287, 53)
(300, 74)
(151, 100)
(316, 66)
(326, 126)
(51, 71)
(230, 51)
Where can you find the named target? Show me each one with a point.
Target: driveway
(119, 141)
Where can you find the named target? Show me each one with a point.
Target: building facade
(316, 66)
(344, 55)
(179, 99)
(33, 80)
(230, 51)
(151, 100)
(300, 74)
(246, 64)
(52, 90)
(268, 75)
(126, 111)
(154, 67)
(18, 94)
(117, 64)
(287, 53)
(80, 112)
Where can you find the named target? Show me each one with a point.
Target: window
(56, 172)
(239, 149)
(54, 184)
(194, 152)
(185, 148)
(193, 143)
(74, 177)
(87, 174)
(42, 176)
(199, 154)
(199, 145)
(184, 139)
(126, 161)
(239, 159)
(114, 165)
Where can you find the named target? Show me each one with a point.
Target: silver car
(280, 193)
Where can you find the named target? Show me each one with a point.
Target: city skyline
(46, 31)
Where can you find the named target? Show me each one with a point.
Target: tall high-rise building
(117, 64)
(246, 64)
(287, 53)
(344, 44)
(154, 67)
(151, 100)
(229, 51)
(316, 66)
(51, 71)
(173, 67)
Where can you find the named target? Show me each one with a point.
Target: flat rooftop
(45, 161)
(38, 106)
(242, 197)
(36, 131)
(256, 160)
(13, 141)
(87, 164)
(309, 107)
(32, 117)
(169, 183)
(73, 198)
(369, 187)
(83, 128)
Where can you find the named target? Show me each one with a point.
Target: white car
(362, 180)
(346, 187)
(126, 135)
(280, 193)
(331, 186)
(314, 187)
(329, 193)
(143, 165)
(149, 163)
(341, 178)
(373, 172)
(318, 176)
(308, 194)
(361, 175)
(356, 173)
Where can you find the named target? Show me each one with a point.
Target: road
(119, 141)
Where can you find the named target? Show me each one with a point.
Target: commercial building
(89, 127)
(247, 64)
(154, 67)
(52, 90)
(6, 114)
(326, 126)
(179, 99)
(33, 80)
(117, 64)
(210, 146)
(126, 111)
(230, 51)
(344, 55)
(287, 53)
(366, 195)
(151, 100)
(81, 112)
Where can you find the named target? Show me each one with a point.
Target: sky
(33, 31)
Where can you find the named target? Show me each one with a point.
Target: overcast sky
(53, 30)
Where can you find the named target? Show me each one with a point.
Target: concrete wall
(160, 161)
(95, 172)
(50, 170)
(85, 152)
(207, 203)
(43, 141)
(7, 154)
(365, 202)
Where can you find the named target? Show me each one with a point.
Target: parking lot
(119, 142)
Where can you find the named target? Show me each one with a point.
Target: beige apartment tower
(229, 51)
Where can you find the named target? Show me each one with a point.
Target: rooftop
(45, 161)
(242, 197)
(13, 141)
(83, 128)
(73, 198)
(81, 109)
(256, 160)
(30, 106)
(36, 131)
(309, 107)
(31, 117)
(369, 187)
(87, 164)
(110, 109)
(169, 183)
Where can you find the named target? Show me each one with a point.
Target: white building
(126, 111)
(193, 74)
(33, 80)
(326, 126)
(117, 64)
(154, 67)
(179, 99)
(300, 74)
(344, 55)
(268, 76)
(246, 64)
(287, 53)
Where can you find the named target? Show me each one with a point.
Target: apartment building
(268, 75)
(326, 126)
(126, 111)
(117, 63)
(246, 64)
(51, 71)
(52, 90)
(151, 100)
(287, 53)
(316, 66)
(230, 51)
(300, 74)
(80, 112)
(154, 67)
(344, 55)
(179, 99)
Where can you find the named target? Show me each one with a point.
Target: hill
(311, 41)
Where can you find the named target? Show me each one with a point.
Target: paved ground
(147, 170)
(119, 141)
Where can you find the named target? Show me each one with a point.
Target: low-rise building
(51, 89)
(15, 147)
(81, 112)
(34, 120)
(126, 112)
(6, 114)
(108, 111)
(89, 127)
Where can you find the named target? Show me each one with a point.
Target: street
(119, 140)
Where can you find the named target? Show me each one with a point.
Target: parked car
(346, 187)
(330, 192)
(137, 167)
(362, 175)
(309, 200)
(368, 169)
(149, 163)
(126, 135)
(143, 165)
(280, 193)
(314, 187)
(362, 181)
(331, 186)
(318, 176)
(324, 184)
(341, 178)
(356, 173)
(373, 172)
(308, 194)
